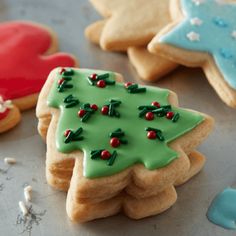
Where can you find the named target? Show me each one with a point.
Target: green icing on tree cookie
(152, 152)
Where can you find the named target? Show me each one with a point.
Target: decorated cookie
(115, 145)
(222, 210)
(128, 27)
(203, 34)
(9, 115)
(27, 53)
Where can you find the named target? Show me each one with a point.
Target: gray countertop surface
(186, 218)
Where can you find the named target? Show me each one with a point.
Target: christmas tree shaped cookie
(27, 53)
(115, 145)
(203, 34)
(127, 27)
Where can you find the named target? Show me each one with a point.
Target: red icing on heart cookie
(23, 65)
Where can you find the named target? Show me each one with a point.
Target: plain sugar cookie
(127, 27)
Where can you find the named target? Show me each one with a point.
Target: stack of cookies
(116, 146)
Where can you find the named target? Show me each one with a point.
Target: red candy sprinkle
(62, 70)
(101, 84)
(127, 84)
(151, 135)
(93, 76)
(105, 110)
(156, 104)
(170, 115)
(149, 116)
(115, 142)
(60, 81)
(67, 132)
(81, 113)
(94, 107)
(105, 155)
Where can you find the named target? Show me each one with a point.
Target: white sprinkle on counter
(10, 160)
(23, 208)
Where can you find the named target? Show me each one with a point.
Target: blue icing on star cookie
(215, 34)
(223, 209)
(220, 22)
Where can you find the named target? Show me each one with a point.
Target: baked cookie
(128, 27)
(27, 53)
(9, 115)
(203, 34)
(116, 146)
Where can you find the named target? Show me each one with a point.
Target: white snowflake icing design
(4, 105)
(196, 21)
(193, 36)
(198, 2)
(233, 34)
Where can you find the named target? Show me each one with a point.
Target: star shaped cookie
(203, 34)
(128, 27)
